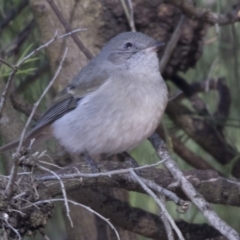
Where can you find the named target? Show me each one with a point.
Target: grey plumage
(113, 104)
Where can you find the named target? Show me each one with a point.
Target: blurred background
(204, 66)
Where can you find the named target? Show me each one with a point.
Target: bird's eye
(128, 46)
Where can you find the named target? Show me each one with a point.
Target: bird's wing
(56, 111)
(68, 99)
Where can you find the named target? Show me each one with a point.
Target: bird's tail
(38, 138)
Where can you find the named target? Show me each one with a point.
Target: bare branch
(68, 28)
(171, 44)
(12, 228)
(13, 174)
(100, 174)
(201, 131)
(166, 223)
(131, 15)
(16, 67)
(184, 152)
(159, 203)
(63, 191)
(55, 38)
(190, 191)
(206, 15)
(7, 64)
(40, 99)
(149, 183)
(152, 185)
(5, 91)
(83, 206)
(128, 10)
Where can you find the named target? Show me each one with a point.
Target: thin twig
(13, 174)
(175, 95)
(128, 10)
(17, 211)
(190, 191)
(19, 195)
(63, 192)
(184, 204)
(212, 66)
(81, 205)
(125, 9)
(7, 64)
(12, 228)
(40, 99)
(32, 204)
(45, 237)
(205, 15)
(6, 90)
(55, 38)
(51, 164)
(131, 15)
(165, 221)
(68, 28)
(16, 67)
(159, 203)
(101, 174)
(4, 234)
(171, 44)
(153, 186)
(12, 177)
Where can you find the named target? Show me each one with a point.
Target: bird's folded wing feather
(68, 99)
(87, 81)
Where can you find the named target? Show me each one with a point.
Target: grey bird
(112, 105)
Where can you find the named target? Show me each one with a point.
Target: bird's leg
(93, 165)
(127, 157)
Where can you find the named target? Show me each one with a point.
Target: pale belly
(106, 135)
(109, 127)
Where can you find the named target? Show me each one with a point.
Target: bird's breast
(146, 106)
(113, 119)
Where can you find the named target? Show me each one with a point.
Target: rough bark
(213, 187)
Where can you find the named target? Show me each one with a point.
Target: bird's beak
(155, 47)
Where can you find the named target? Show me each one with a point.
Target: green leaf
(25, 53)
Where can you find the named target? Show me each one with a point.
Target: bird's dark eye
(128, 46)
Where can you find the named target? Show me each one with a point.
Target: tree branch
(68, 28)
(207, 182)
(184, 152)
(134, 219)
(201, 131)
(190, 191)
(206, 15)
